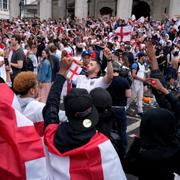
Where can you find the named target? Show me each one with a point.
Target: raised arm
(109, 74)
(174, 101)
(50, 111)
(152, 56)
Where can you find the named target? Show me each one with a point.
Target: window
(5, 5)
(1, 7)
(22, 2)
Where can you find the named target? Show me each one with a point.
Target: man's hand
(109, 74)
(65, 64)
(155, 83)
(150, 51)
(7, 68)
(108, 54)
(152, 55)
(6, 52)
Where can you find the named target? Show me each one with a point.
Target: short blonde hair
(24, 81)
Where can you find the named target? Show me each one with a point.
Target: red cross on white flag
(74, 71)
(21, 153)
(124, 32)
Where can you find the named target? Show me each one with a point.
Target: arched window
(141, 8)
(105, 11)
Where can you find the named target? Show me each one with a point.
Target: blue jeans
(122, 127)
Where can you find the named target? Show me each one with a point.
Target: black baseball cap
(102, 101)
(101, 97)
(80, 111)
(141, 54)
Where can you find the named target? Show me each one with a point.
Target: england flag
(124, 33)
(21, 153)
(96, 160)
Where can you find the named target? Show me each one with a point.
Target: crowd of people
(75, 80)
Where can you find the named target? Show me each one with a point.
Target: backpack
(137, 66)
(125, 73)
(28, 65)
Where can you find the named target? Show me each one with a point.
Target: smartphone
(6, 62)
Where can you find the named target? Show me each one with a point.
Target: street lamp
(88, 1)
(20, 8)
(115, 13)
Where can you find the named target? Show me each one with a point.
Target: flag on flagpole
(124, 32)
(21, 153)
(95, 160)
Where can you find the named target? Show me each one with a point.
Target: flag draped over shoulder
(21, 149)
(96, 160)
(22, 155)
(33, 111)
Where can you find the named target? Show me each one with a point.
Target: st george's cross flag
(72, 74)
(33, 111)
(74, 71)
(124, 33)
(96, 160)
(21, 148)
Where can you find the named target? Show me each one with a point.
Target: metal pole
(115, 8)
(20, 9)
(89, 1)
(66, 9)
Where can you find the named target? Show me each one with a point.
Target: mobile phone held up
(6, 62)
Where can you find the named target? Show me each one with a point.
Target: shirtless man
(175, 60)
(174, 65)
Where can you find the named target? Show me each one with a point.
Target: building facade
(10, 8)
(120, 8)
(84, 8)
(4, 9)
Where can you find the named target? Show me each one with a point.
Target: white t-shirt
(58, 54)
(2, 69)
(179, 69)
(84, 82)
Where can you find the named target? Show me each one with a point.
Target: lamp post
(20, 8)
(66, 11)
(88, 1)
(115, 8)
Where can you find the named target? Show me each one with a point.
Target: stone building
(17, 8)
(120, 8)
(83, 8)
